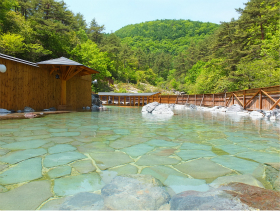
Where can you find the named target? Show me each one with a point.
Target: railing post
(260, 99)
(225, 99)
(233, 99)
(213, 100)
(244, 99)
(195, 99)
(119, 100)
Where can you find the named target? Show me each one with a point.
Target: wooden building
(60, 83)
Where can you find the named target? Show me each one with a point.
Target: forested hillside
(169, 36)
(185, 55)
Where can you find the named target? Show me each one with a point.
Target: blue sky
(115, 14)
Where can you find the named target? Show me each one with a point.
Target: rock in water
(235, 108)
(28, 109)
(95, 108)
(162, 109)
(256, 113)
(2, 110)
(52, 109)
(192, 106)
(150, 107)
(134, 192)
(95, 100)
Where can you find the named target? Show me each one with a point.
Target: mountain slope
(169, 36)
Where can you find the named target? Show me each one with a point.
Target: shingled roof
(4, 56)
(62, 61)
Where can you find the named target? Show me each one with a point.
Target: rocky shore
(167, 109)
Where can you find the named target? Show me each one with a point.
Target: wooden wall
(24, 85)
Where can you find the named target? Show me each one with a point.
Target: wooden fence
(266, 98)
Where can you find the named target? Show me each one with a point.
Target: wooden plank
(213, 100)
(143, 101)
(63, 92)
(260, 101)
(133, 100)
(275, 104)
(252, 98)
(229, 99)
(269, 96)
(244, 99)
(238, 100)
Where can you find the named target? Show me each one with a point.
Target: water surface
(83, 151)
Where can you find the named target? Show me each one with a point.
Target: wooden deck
(266, 98)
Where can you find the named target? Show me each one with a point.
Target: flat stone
(2, 142)
(23, 133)
(26, 197)
(62, 158)
(22, 172)
(233, 149)
(3, 189)
(4, 151)
(179, 184)
(122, 131)
(134, 192)
(65, 134)
(261, 157)
(18, 156)
(137, 150)
(34, 137)
(59, 171)
(192, 146)
(161, 172)
(57, 130)
(152, 160)
(61, 148)
(112, 138)
(274, 165)
(203, 169)
(119, 144)
(240, 165)
(161, 143)
(127, 169)
(106, 160)
(77, 184)
(246, 179)
(95, 147)
(80, 201)
(163, 152)
(24, 144)
(84, 166)
(60, 140)
(218, 142)
(3, 166)
(191, 154)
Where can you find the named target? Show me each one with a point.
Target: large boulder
(95, 100)
(162, 109)
(214, 199)
(134, 192)
(235, 108)
(2, 110)
(149, 107)
(80, 201)
(233, 196)
(28, 109)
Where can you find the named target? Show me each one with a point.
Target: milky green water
(83, 151)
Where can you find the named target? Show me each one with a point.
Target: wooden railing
(266, 98)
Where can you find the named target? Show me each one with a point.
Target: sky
(115, 14)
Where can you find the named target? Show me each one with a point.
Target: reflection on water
(198, 148)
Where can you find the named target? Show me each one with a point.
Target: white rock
(256, 113)
(179, 107)
(162, 109)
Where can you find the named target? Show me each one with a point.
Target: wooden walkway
(266, 98)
